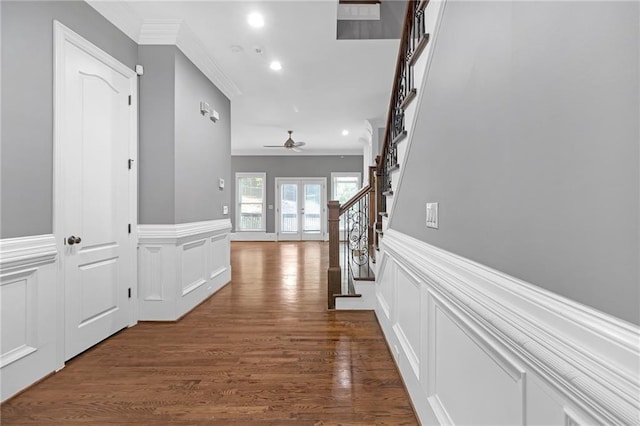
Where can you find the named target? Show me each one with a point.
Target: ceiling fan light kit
(289, 144)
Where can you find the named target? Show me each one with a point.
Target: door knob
(73, 240)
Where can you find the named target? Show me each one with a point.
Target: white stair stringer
(433, 15)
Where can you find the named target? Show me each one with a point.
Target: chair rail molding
(27, 252)
(28, 293)
(180, 266)
(584, 361)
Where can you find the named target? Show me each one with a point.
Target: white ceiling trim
(178, 33)
(166, 32)
(192, 47)
(159, 31)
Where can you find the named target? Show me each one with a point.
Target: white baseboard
(252, 236)
(477, 346)
(28, 292)
(180, 266)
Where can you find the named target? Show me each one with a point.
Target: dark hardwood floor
(263, 350)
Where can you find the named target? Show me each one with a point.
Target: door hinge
(129, 228)
(130, 163)
(129, 292)
(129, 99)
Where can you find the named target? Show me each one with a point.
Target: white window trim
(344, 174)
(264, 200)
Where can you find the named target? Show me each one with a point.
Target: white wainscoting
(180, 266)
(475, 346)
(28, 321)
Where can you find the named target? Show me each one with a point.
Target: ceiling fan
(289, 144)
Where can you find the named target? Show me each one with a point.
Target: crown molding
(159, 31)
(166, 32)
(193, 49)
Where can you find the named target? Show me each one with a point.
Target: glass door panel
(289, 208)
(312, 208)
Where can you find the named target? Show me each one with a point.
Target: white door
(95, 190)
(301, 208)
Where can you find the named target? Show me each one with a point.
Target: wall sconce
(205, 109)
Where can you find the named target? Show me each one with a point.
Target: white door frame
(63, 35)
(323, 203)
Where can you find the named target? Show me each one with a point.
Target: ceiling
(325, 85)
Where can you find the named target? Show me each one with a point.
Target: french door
(301, 208)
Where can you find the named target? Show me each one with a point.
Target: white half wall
(475, 346)
(28, 319)
(181, 265)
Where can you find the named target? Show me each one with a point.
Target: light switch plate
(221, 183)
(225, 209)
(432, 215)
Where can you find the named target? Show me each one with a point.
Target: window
(251, 197)
(344, 186)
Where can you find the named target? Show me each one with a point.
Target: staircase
(351, 275)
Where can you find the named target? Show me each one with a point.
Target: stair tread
(399, 137)
(418, 50)
(407, 99)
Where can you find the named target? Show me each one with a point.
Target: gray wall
(182, 152)
(289, 166)
(156, 165)
(26, 188)
(203, 148)
(528, 138)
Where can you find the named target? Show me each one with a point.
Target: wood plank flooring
(263, 350)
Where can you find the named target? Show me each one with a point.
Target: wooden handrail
(357, 197)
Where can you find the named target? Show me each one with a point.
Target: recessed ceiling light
(255, 20)
(345, 132)
(275, 65)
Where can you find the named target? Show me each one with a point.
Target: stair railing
(369, 205)
(351, 237)
(414, 38)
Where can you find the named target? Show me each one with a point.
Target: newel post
(334, 273)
